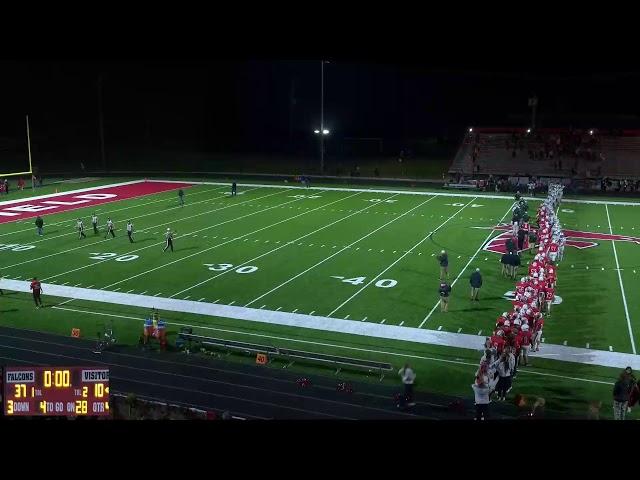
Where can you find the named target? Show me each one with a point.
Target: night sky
(269, 105)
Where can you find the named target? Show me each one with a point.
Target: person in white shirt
(130, 231)
(110, 229)
(94, 222)
(80, 227)
(481, 392)
(408, 377)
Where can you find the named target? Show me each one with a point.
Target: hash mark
(364, 319)
(610, 348)
(460, 329)
(201, 299)
(263, 306)
(312, 312)
(480, 332)
(295, 311)
(383, 320)
(440, 327)
(129, 291)
(232, 302)
(346, 317)
(401, 323)
(278, 309)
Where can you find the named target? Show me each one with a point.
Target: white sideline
(326, 324)
(624, 297)
(403, 192)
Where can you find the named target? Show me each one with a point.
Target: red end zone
(57, 203)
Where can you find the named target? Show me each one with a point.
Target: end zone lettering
(95, 375)
(24, 376)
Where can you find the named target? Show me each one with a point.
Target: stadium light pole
(322, 132)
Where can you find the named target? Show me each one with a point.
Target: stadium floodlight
(528, 130)
(316, 131)
(325, 132)
(590, 132)
(470, 129)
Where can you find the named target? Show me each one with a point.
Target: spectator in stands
(481, 393)
(408, 378)
(444, 291)
(476, 283)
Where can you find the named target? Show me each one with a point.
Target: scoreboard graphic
(56, 391)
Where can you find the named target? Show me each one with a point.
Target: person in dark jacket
(443, 259)
(476, 283)
(621, 391)
(510, 245)
(39, 224)
(521, 234)
(444, 291)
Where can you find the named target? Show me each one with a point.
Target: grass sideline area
(367, 256)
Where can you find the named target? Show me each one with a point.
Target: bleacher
(587, 154)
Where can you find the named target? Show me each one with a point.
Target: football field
(345, 271)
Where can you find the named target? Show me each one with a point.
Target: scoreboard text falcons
(67, 391)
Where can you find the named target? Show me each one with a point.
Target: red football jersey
(35, 286)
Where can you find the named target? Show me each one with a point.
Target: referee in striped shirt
(169, 238)
(130, 231)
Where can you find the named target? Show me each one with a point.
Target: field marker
(322, 246)
(216, 301)
(382, 250)
(347, 317)
(294, 311)
(201, 299)
(383, 320)
(369, 250)
(624, 297)
(433, 254)
(399, 258)
(394, 251)
(91, 286)
(564, 343)
(468, 263)
(65, 283)
(263, 306)
(278, 309)
(77, 284)
(311, 244)
(364, 319)
(587, 345)
(610, 348)
(282, 246)
(129, 291)
(116, 289)
(142, 293)
(419, 253)
(139, 249)
(440, 327)
(187, 297)
(401, 323)
(157, 294)
(312, 312)
(232, 302)
(542, 339)
(460, 329)
(357, 248)
(479, 332)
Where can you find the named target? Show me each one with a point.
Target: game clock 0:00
(61, 391)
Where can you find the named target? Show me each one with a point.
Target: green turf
(299, 243)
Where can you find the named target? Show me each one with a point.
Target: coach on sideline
(476, 283)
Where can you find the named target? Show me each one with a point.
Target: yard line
(312, 312)
(294, 311)
(374, 279)
(263, 306)
(72, 221)
(46, 238)
(129, 291)
(116, 289)
(460, 329)
(77, 284)
(187, 297)
(149, 246)
(217, 301)
(338, 252)
(157, 294)
(278, 309)
(468, 263)
(383, 320)
(201, 299)
(624, 297)
(183, 258)
(231, 303)
(65, 283)
(142, 293)
(281, 246)
(401, 323)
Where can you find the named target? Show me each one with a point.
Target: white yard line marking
(624, 297)
(337, 253)
(460, 329)
(216, 301)
(479, 332)
(149, 246)
(383, 320)
(347, 317)
(158, 294)
(587, 345)
(187, 297)
(65, 283)
(312, 312)
(610, 348)
(440, 327)
(116, 289)
(129, 291)
(398, 259)
(201, 299)
(364, 319)
(263, 306)
(564, 343)
(281, 246)
(467, 265)
(294, 311)
(77, 284)
(73, 220)
(401, 323)
(278, 309)
(142, 293)
(231, 303)
(198, 252)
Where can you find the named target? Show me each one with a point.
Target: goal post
(15, 156)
